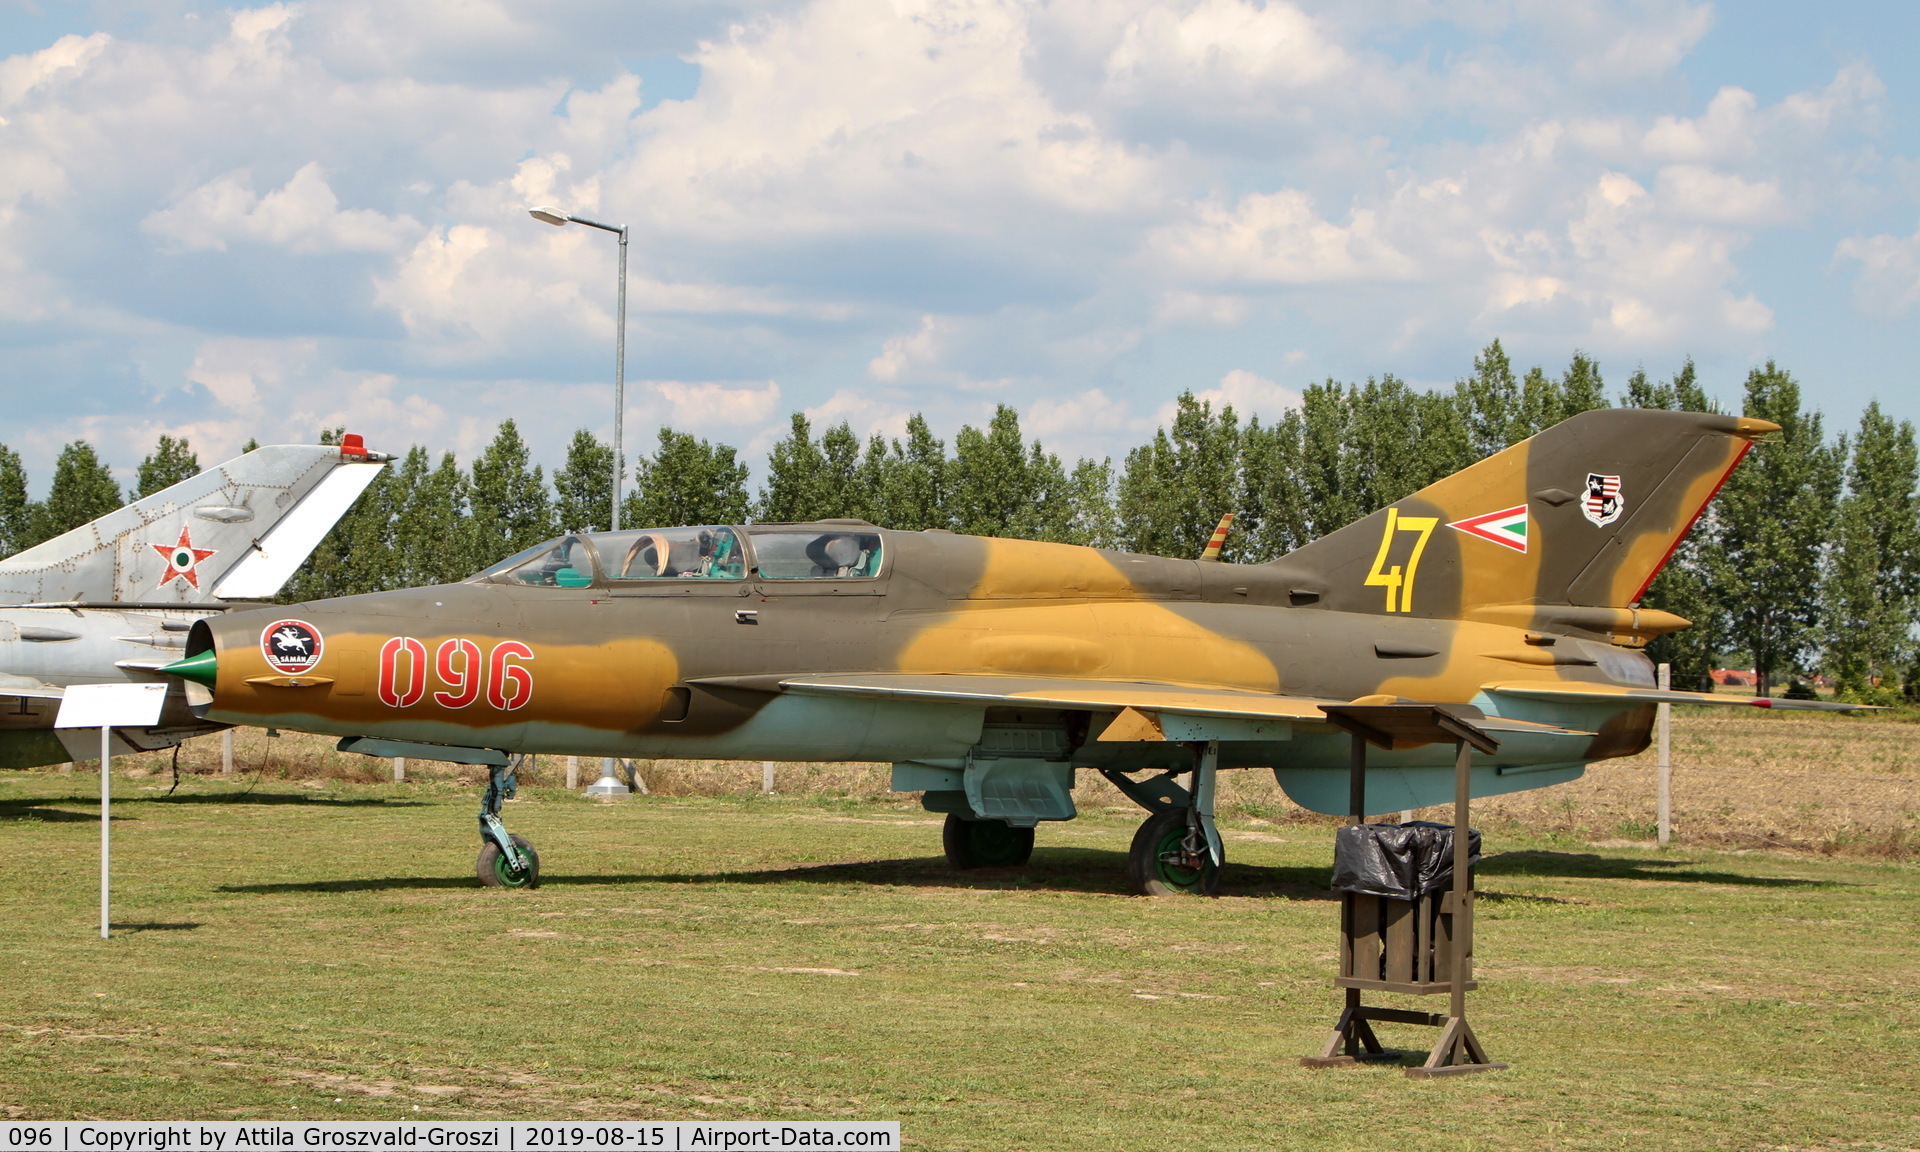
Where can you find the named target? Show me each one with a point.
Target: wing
(1581, 693)
(1145, 710)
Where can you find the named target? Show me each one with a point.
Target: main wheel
(495, 872)
(1159, 863)
(985, 843)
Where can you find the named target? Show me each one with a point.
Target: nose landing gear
(506, 860)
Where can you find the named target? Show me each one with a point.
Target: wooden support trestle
(1421, 946)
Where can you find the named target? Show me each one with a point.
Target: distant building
(1733, 678)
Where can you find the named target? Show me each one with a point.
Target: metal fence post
(1663, 720)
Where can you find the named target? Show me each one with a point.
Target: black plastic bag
(1398, 861)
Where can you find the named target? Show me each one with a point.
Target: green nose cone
(201, 669)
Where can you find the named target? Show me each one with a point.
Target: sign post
(107, 706)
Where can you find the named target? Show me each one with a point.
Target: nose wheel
(496, 871)
(506, 860)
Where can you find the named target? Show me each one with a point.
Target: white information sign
(111, 706)
(106, 706)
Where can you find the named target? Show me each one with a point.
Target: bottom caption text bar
(508, 1136)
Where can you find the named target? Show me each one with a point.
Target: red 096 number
(460, 670)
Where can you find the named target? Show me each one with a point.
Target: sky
(227, 222)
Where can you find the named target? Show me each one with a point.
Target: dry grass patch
(1847, 785)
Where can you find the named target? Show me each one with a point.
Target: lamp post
(558, 218)
(608, 785)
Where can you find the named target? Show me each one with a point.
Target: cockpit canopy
(708, 552)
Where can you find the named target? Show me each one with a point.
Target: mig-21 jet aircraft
(111, 601)
(990, 671)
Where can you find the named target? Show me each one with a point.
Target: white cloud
(64, 59)
(866, 415)
(1222, 49)
(1199, 309)
(1888, 282)
(240, 374)
(710, 405)
(303, 215)
(1248, 394)
(903, 354)
(1081, 207)
(1072, 418)
(1277, 237)
(1700, 193)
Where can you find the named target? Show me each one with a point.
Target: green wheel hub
(1160, 865)
(494, 871)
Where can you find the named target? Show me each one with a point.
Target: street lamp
(558, 218)
(608, 785)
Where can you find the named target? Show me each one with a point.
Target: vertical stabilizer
(1569, 525)
(234, 531)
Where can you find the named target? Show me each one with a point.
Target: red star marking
(183, 559)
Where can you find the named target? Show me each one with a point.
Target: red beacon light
(353, 446)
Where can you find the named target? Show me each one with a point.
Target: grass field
(321, 950)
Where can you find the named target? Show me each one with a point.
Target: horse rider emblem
(291, 645)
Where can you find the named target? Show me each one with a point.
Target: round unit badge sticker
(291, 646)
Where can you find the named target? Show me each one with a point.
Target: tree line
(1809, 560)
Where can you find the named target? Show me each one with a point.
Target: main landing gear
(506, 860)
(1177, 851)
(985, 843)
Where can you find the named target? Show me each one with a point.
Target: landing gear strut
(1177, 851)
(506, 860)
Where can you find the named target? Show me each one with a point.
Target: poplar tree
(914, 492)
(1272, 519)
(1094, 521)
(16, 511)
(1681, 394)
(841, 483)
(1050, 510)
(1581, 389)
(794, 467)
(508, 508)
(1176, 486)
(1491, 404)
(429, 532)
(687, 481)
(83, 490)
(873, 479)
(170, 462)
(583, 486)
(1872, 590)
(996, 481)
(1776, 515)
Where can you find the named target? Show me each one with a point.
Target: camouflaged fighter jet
(111, 601)
(990, 671)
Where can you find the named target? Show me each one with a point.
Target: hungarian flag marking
(1507, 527)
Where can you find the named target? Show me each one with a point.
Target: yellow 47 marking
(1400, 587)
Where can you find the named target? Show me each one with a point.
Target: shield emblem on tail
(1602, 504)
